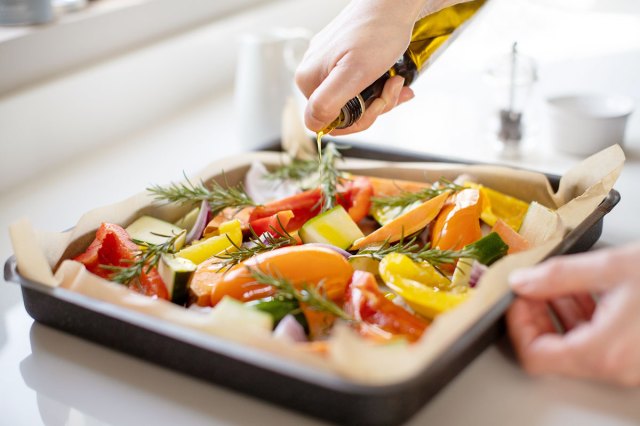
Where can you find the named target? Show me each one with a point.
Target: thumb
(594, 271)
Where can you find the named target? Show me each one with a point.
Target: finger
(391, 92)
(526, 321)
(343, 83)
(540, 349)
(594, 271)
(406, 94)
(388, 100)
(586, 303)
(552, 354)
(568, 311)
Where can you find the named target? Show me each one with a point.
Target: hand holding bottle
(355, 68)
(601, 341)
(356, 48)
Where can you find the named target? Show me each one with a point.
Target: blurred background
(76, 74)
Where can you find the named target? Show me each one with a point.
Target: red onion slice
(201, 223)
(290, 329)
(477, 270)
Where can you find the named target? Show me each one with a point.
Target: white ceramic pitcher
(264, 80)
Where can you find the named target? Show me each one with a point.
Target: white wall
(43, 125)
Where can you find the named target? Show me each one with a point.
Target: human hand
(355, 49)
(601, 341)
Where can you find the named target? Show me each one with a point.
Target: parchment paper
(39, 254)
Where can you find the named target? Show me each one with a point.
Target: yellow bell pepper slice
(419, 285)
(496, 205)
(212, 246)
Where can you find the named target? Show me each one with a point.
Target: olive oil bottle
(430, 35)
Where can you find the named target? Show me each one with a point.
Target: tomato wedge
(112, 246)
(365, 302)
(151, 284)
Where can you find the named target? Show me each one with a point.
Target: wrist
(399, 11)
(433, 6)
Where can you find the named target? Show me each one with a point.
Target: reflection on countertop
(153, 395)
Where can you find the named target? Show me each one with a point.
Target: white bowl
(586, 124)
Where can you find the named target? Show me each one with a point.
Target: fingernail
(406, 97)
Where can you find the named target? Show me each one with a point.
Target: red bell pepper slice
(304, 206)
(276, 224)
(355, 197)
(365, 302)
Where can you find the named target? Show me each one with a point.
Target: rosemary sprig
(296, 169)
(308, 294)
(148, 257)
(406, 198)
(219, 197)
(329, 176)
(410, 248)
(257, 244)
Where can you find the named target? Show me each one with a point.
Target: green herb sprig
(308, 295)
(406, 198)
(329, 176)
(436, 257)
(145, 259)
(256, 245)
(296, 170)
(219, 197)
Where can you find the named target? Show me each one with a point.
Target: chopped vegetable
(405, 224)
(290, 329)
(273, 259)
(176, 273)
(365, 302)
(498, 206)
(539, 217)
(333, 227)
(112, 246)
(197, 229)
(155, 231)
(458, 224)
(418, 285)
(230, 236)
(515, 241)
(297, 264)
(487, 249)
(275, 225)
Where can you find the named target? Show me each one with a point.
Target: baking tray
(267, 376)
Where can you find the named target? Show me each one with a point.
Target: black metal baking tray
(266, 376)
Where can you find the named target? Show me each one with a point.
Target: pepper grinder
(513, 78)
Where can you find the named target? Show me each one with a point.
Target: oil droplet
(320, 134)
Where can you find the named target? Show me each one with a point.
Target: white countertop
(52, 378)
